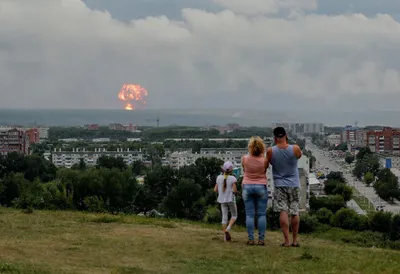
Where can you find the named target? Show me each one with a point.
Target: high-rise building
(13, 140)
(385, 140)
(33, 135)
(302, 128)
(67, 159)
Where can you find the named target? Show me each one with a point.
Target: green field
(71, 242)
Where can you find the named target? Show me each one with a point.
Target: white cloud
(266, 6)
(59, 53)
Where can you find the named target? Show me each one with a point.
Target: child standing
(226, 188)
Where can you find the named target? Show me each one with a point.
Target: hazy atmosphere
(254, 54)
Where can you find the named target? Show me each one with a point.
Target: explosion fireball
(134, 96)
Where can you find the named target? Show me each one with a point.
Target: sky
(201, 54)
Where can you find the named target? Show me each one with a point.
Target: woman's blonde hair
(256, 146)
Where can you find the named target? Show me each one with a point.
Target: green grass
(363, 202)
(75, 242)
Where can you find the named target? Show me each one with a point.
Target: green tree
(348, 219)
(363, 152)
(336, 175)
(387, 186)
(330, 185)
(184, 201)
(360, 169)
(159, 182)
(380, 221)
(395, 228)
(13, 185)
(138, 168)
(208, 170)
(387, 190)
(368, 163)
(111, 162)
(368, 178)
(324, 215)
(332, 202)
(349, 158)
(344, 190)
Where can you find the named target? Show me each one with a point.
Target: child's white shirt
(226, 196)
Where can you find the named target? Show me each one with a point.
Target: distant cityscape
(128, 142)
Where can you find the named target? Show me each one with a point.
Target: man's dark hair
(279, 132)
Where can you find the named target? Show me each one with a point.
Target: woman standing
(255, 192)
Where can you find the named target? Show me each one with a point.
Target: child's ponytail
(227, 169)
(225, 177)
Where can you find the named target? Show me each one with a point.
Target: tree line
(378, 228)
(367, 169)
(152, 134)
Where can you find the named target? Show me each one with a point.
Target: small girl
(226, 188)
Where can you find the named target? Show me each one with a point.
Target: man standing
(283, 158)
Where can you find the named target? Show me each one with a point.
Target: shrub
(332, 202)
(337, 176)
(212, 215)
(365, 239)
(94, 204)
(348, 219)
(395, 228)
(308, 224)
(381, 221)
(330, 186)
(344, 190)
(361, 223)
(324, 215)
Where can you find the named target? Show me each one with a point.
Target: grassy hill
(73, 242)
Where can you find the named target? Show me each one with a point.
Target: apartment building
(130, 127)
(302, 128)
(353, 136)
(385, 140)
(13, 140)
(67, 159)
(334, 139)
(35, 134)
(184, 158)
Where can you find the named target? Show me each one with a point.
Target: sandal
(283, 245)
(227, 235)
(261, 242)
(250, 242)
(295, 245)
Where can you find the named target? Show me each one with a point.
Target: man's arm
(269, 154)
(216, 188)
(297, 151)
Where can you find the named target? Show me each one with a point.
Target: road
(368, 192)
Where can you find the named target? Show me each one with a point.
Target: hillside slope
(71, 242)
